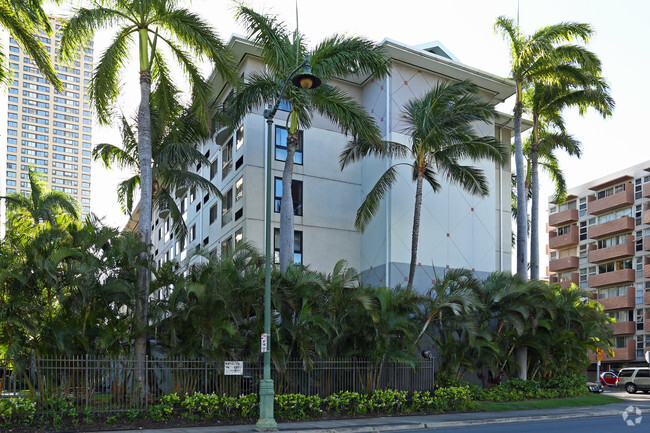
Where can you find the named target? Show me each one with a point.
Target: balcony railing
(625, 249)
(563, 218)
(601, 205)
(624, 328)
(564, 264)
(566, 240)
(619, 277)
(618, 302)
(565, 284)
(611, 228)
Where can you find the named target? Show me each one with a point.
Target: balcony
(624, 328)
(611, 202)
(611, 228)
(646, 272)
(646, 321)
(626, 301)
(563, 218)
(646, 213)
(646, 244)
(621, 354)
(564, 264)
(557, 242)
(613, 278)
(625, 249)
(574, 278)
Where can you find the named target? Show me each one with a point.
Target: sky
(465, 27)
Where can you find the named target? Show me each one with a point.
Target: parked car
(609, 378)
(595, 387)
(634, 379)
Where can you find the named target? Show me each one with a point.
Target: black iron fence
(107, 384)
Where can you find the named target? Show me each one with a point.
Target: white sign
(233, 368)
(264, 343)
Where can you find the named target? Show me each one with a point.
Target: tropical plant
(335, 57)
(538, 58)
(24, 20)
(440, 126)
(575, 86)
(186, 36)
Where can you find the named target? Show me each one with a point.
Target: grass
(586, 400)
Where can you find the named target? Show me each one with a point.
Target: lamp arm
(270, 113)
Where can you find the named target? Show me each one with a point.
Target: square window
(240, 137)
(226, 211)
(213, 213)
(214, 167)
(226, 157)
(281, 146)
(193, 233)
(239, 236)
(226, 247)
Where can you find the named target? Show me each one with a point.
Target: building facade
(47, 129)
(457, 229)
(599, 239)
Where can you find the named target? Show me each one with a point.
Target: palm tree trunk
(144, 230)
(534, 212)
(416, 230)
(286, 205)
(522, 217)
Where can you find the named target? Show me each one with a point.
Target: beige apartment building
(47, 129)
(599, 239)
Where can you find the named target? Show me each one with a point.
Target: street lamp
(305, 81)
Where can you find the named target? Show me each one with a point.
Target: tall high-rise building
(599, 240)
(48, 129)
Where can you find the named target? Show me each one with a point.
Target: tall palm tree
(538, 58)
(575, 87)
(23, 19)
(440, 127)
(41, 204)
(174, 137)
(146, 22)
(335, 57)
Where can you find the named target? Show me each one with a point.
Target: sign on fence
(233, 368)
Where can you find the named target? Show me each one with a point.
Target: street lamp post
(305, 81)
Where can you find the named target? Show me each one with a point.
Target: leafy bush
(17, 409)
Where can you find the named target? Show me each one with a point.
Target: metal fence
(107, 385)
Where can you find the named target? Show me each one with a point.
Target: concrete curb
(365, 429)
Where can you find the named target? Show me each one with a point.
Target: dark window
(214, 167)
(198, 206)
(240, 137)
(207, 154)
(239, 163)
(297, 246)
(239, 214)
(213, 213)
(183, 206)
(625, 373)
(206, 198)
(206, 240)
(296, 195)
(226, 211)
(281, 146)
(643, 373)
(192, 194)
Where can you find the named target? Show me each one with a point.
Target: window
(296, 195)
(214, 167)
(638, 246)
(610, 242)
(638, 189)
(639, 320)
(226, 211)
(563, 230)
(621, 342)
(213, 213)
(626, 212)
(192, 194)
(281, 146)
(284, 105)
(239, 189)
(240, 137)
(239, 236)
(226, 247)
(226, 158)
(583, 231)
(638, 215)
(583, 254)
(297, 246)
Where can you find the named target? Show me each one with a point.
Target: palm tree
(576, 87)
(23, 19)
(174, 138)
(336, 56)
(440, 126)
(538, 58)
(41, 204)
(185, 35)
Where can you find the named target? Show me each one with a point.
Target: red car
(609, 378)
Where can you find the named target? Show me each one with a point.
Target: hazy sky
(465, 27)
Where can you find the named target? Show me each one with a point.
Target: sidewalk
(385, 424)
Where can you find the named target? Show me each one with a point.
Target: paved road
(591, 425)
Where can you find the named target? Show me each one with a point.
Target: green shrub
(297, 406)
(17, 409)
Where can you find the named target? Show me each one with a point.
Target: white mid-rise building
(457, 229)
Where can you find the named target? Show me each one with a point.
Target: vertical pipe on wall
(388, 194)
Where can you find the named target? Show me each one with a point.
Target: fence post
(146, 383)
(205, 382)
(86, 390)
